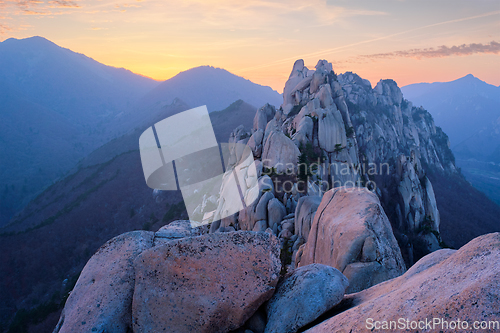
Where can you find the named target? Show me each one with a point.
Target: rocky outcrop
(451, 286)
(136, 278)
(102, 298)
(276, 211)
(304, 215)
(280, 153)
(418, 202)
(263, 116)
(303, 296)
(351, 232)
(210, 283)
(398, 144)
(317, 176)
(336, 130)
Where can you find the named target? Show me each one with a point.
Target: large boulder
(102, 298)
(210, 283)
(280, 153)
(275, 212)
(331, 131)
(304, 296)
(446, 285)
(263, 116)
(351, 232)
(304, 214)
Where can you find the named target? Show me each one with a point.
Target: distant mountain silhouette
(214, 87)
(57, 106)
(468, 110)
(463, 108)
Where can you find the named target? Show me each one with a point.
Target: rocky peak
(343, 200)
(336, 131)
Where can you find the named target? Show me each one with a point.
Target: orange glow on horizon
(260, 40)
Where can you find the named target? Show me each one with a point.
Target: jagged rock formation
(341, 172)
(398, 143)
(352, 233)
(448, 285)
(334, 131)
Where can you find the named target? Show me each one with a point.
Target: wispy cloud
(440, 52)
(4, 29)
(39, 7)
(64, 4)
(325, 52)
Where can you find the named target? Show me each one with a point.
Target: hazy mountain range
(81, 134)
(57, 106)
(468, 110)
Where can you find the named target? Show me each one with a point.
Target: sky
(408, 41)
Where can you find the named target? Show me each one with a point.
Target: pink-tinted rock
(448, 285)
(210, 283)
(102, 298)
(351, 232)
(304, 214)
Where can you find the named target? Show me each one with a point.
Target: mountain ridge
(468, 110)
(93, 102)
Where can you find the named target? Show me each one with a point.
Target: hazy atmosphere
(249, 167)
(408, 41)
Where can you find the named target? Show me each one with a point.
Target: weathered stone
(285, 233)
(261, 208)
(260, 226)
(431, 205)
(272, 126)
(304, 296)
(448, 285)
(331, 131)
(304, 214)
(257, 323)
(275, 212)
(255, 142)
(280, 153)
(350, 229)
(325, 96)
(175, 230)
(210, 283)
(318, 79)
(263, 116)
(102, 298)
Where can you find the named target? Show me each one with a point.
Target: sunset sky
(408, 41)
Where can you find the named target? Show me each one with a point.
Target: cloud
(39, 7)
(440, 52)
(4, 29)
(64, 4)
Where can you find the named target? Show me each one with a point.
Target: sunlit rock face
(462, 286)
